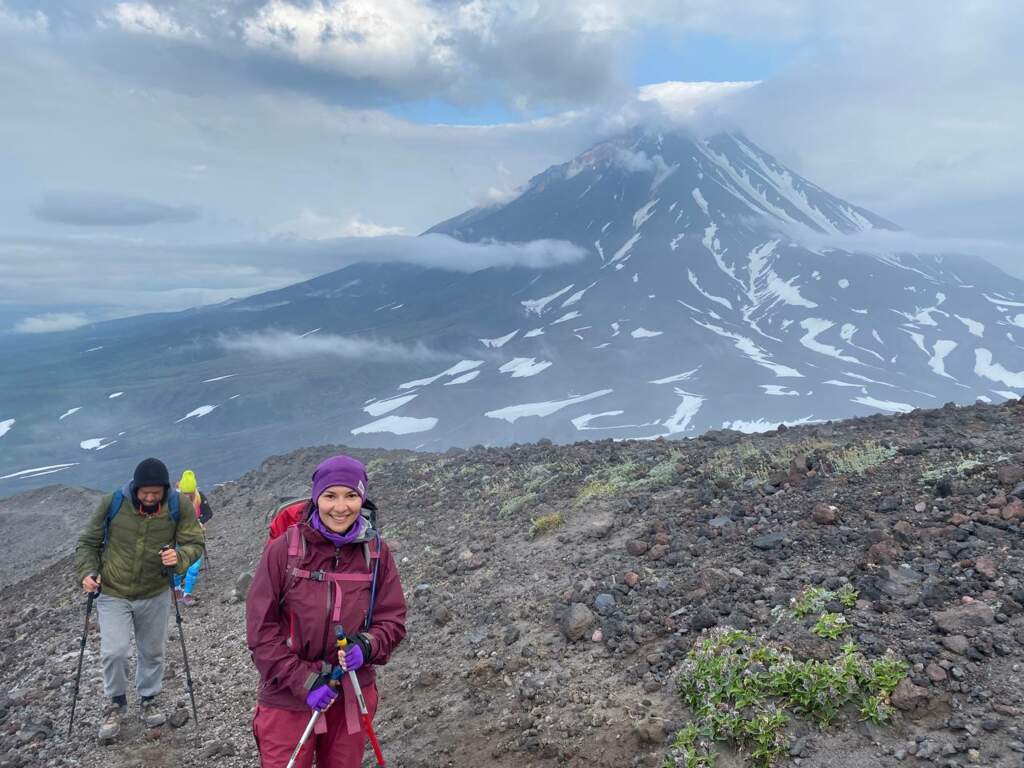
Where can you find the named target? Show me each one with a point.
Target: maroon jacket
(289, 620)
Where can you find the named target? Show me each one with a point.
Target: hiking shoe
(178, 595)
(188, 600)
(150, 714)
(110, 728)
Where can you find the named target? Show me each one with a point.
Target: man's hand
(169, 557)
(91, 584)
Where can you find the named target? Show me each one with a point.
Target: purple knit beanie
(340, 470)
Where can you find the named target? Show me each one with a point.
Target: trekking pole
(81, 655)
(335, 677)
(342, 640)
(181, 637)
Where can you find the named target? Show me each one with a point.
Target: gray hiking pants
(117, 618)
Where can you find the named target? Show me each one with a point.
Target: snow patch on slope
(397, 425)
(198, 413)
(883, 405)
(751, 350)
(536, 306)
(986, 367)
(95, 444)
(381, 407)
(643, 333)
(815, 326)
(522, 367)
(501, 341)
(512, 413)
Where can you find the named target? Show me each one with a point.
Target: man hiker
(119, 554)
(184, 587)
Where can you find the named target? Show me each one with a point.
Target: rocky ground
(39, 527)
(554, 592)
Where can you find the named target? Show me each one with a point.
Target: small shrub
(630, 476)
(746, 461)
(966, 466)
(594, 488)
(847, 595)
(858, 458)
(744, 690)
(517, 505)
(810, 600)
(545, 523)
(830, 625)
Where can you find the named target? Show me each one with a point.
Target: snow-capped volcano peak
(703, 303)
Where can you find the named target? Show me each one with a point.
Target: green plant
(630, 476)
(744, 690)
(810, 600)
(855, 459)
(688, 751)
(545, 523)
(847, 595)
(517, 504)
(830, 625)
(964, 466)
(593, 489)
(876, 709)
(750, 461)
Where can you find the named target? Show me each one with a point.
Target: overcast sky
(159, 155)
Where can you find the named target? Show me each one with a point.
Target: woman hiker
(184, 586)
(329, 569)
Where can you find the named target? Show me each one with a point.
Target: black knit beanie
(151, 472)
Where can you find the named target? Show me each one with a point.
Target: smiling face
(339, 507)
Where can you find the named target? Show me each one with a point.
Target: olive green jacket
(130, 564)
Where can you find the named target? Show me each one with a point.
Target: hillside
(541, 641)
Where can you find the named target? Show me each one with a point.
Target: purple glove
(354, 658)
(321, 697)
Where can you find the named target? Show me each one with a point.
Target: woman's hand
(351, 658)
(321, 697)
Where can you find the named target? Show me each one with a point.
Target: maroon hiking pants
(277, 731)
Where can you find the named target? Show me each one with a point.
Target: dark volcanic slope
(927, 522)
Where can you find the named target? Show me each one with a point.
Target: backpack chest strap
(322, 575)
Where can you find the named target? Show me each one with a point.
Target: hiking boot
(110, 728)
(188, 600)
(150, 714)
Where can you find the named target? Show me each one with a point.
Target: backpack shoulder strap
(296, 554)
(174, 504)
(116, 500)
(375, 546)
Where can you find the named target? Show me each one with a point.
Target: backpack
(284, 523)
(118, 497)
(287, 514)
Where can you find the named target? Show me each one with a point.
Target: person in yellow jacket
(185, 585)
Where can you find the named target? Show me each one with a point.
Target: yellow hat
(187, 484)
